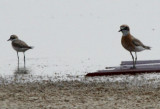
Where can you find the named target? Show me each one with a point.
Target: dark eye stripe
(125, 28)
(12, 38)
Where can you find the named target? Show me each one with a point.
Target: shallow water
(66, 70)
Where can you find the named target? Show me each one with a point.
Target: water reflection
(22, 70)
(21, 74)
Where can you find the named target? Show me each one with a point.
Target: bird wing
(20, 44)
(137, 42)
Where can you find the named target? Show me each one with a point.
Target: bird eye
(125, 28)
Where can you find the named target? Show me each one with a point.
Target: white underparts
(139, 48)
(20, 49)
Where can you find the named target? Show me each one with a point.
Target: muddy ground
(78, 95)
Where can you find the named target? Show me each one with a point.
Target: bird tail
(31, 47)
(147, 47)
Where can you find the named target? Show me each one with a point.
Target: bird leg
(24, 59)
(136, 57)
(18, 58)
(133, 60)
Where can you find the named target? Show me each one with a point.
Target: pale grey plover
(19, 46)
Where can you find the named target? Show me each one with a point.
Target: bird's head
(13, 37)
(124, 29)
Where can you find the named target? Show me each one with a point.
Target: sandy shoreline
(78, 95)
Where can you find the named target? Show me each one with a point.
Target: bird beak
(120, 30)
(8, 39)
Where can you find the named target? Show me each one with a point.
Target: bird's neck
(125, 33)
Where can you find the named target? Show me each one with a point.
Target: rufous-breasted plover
(19, 46)
(131, 44)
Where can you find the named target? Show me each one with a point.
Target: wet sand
(78, 95)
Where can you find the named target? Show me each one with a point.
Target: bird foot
(133, 67)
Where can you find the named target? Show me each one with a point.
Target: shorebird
(131, 44)
(19, 46)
